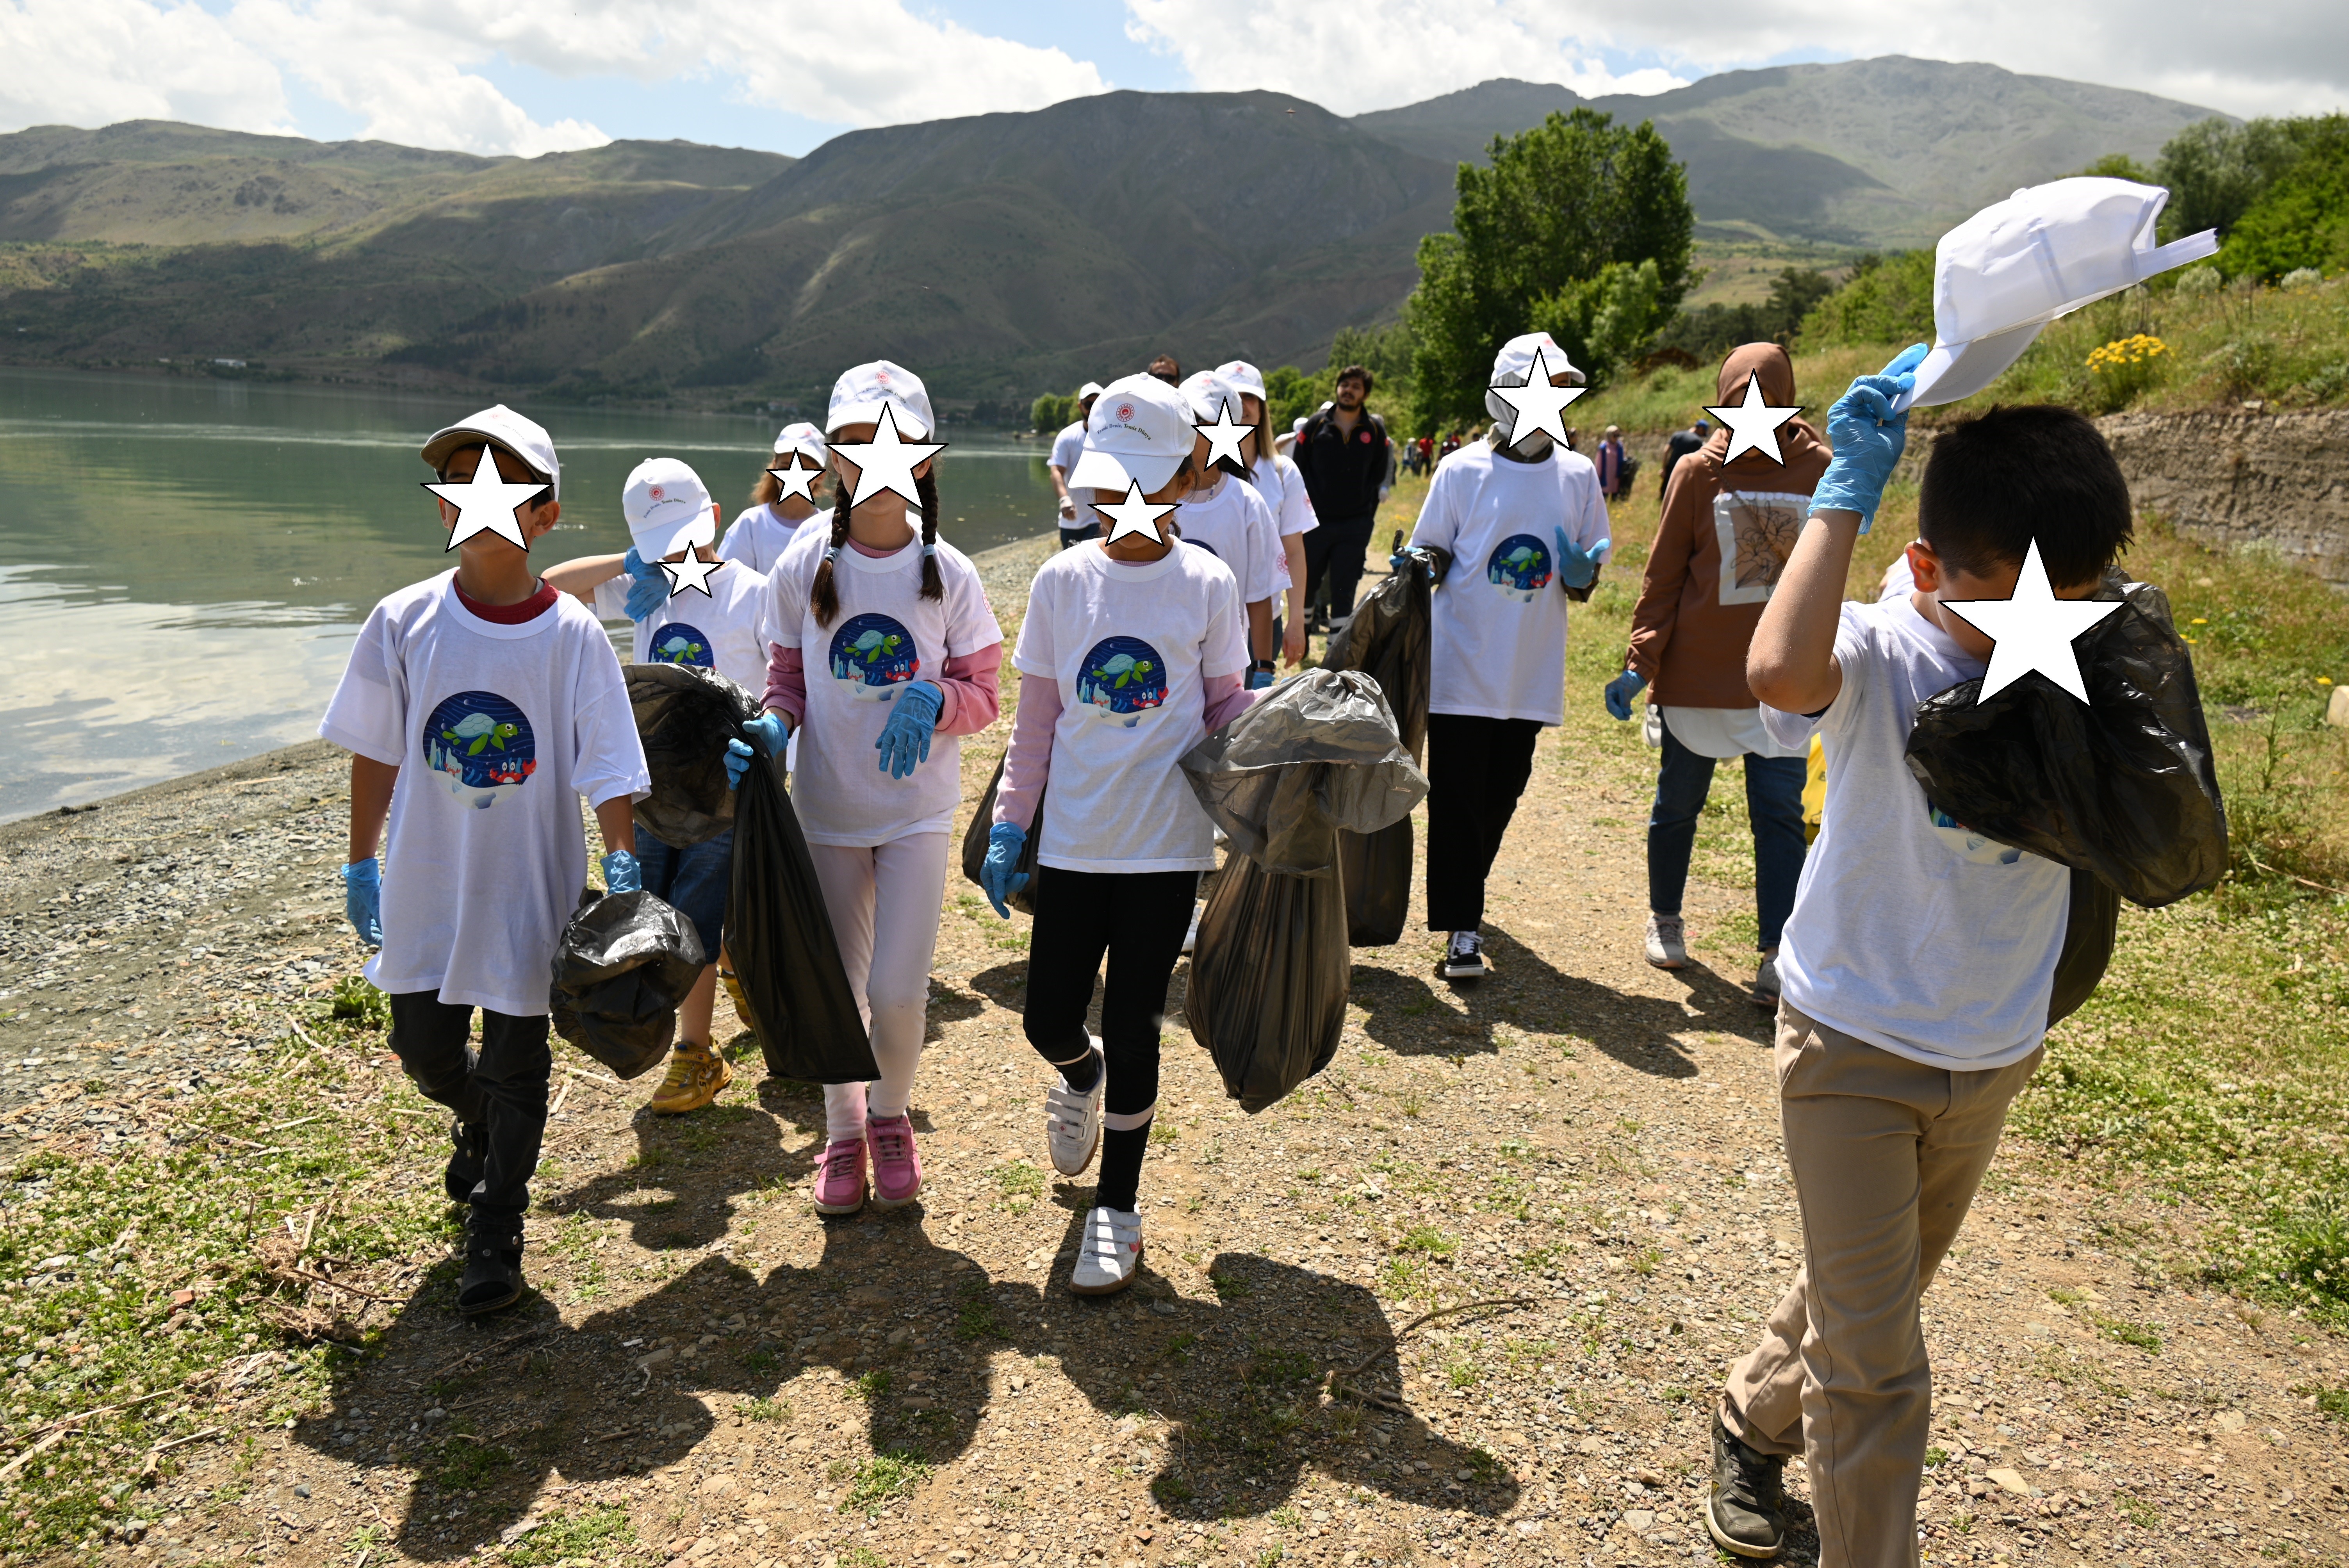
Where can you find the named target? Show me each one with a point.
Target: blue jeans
(693, 881)
(1774, 800)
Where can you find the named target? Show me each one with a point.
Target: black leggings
(1476, 769)
(501, 1088)
(1137, 920)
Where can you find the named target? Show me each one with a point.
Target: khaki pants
(1887, 1155)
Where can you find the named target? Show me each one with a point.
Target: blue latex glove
(995, 877)
(649, 592)
(363, 899)
(904, 743)
(1577, 568)
(1622, 691)
(1868, 437)
(770, 731)
(621, 873)
(1398, 563)
(1257, 680)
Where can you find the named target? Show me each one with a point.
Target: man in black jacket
(1345, 457)
(1681, 444)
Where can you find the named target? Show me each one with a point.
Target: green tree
(1052, 413)
(1889, 299)
(2302, 218)
(1537, 230)
(2215, 170)
(2121, 166)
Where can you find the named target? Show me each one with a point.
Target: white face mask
(1535, 446)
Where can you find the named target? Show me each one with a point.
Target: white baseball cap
(1140, 431)
(1206, 391)
(2044, 252)
(862, 392)
(500, 426)
(1243, 376)
(1090, 389)
(1515, 363)
(801, 437)
(667, 508)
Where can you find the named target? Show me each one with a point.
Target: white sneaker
(1463, 957)
(1073, 1121)
(1108, 1252)
(1666, 946)
(1191, 937)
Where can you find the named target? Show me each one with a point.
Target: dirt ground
(711, 1376)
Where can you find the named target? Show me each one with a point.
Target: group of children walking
(1915, 968)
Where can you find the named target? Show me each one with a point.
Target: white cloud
(2282, 57)
(93, 62)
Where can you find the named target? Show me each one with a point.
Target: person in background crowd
(1681, 444)
(1610, 463)
(756, 537)
(1076, 522)
(1345, 458)
(1167, 368)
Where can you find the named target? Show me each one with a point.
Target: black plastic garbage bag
(2121, 785)
(1269, 976)
(684, 716)
(2089, 936)
(1388, 639)
(779, 937)
(974, 843)
(626, 961)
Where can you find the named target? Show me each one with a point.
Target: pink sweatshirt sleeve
(786, 681)
(973, 699)
(1030, 760)
(1227, 698)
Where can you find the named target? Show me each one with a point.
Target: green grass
(873, 1483)
(598, 1533)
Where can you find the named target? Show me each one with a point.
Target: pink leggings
(884, 905)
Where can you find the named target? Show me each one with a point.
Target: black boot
(1746, 1510)
(493, 1276)
(467, 1158)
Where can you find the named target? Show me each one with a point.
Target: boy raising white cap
(723, 628)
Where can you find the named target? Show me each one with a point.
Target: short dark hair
(2008, 476)
(1167, 368)
(1361, 373)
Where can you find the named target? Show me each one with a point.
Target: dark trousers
(1773, 801)
(1333, 560)
(1069, 536)
(500, 1088)
(1136, 920)
(1476, 769)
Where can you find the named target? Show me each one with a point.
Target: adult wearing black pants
(1345, 457)
(1513, 527)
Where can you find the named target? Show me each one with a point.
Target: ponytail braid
(824, 597)
(933, 585)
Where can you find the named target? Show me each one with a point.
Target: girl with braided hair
(884, 655)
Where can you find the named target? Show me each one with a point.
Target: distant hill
(1000, 253)
(1882, 153)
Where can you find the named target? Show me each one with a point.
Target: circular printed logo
(1519, 567)
(1126, 410)
(480, 746)
(1121, 681)
(680, 643)
(872, 656)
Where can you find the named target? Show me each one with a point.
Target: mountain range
(999, 254)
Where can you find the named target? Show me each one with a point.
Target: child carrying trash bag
(1133, 648)
(884, 655)
(480, 706)
(719, 624)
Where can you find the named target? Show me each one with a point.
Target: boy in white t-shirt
(758, 532)
(1077, 522)
(478, 706)
(1512, 528)
(1917, 965)
(1131, 650)
(1226, 516)
(719, 624)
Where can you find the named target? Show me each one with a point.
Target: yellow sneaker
(696, 1074)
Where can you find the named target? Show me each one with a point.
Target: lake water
(185, 561)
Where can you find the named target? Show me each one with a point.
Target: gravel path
(723, 1377)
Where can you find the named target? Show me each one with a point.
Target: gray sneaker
(1765, 982)
(1745, 1506)
(1666, 948)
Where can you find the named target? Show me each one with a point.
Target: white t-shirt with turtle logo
(885, 635)
(1499, 615)
(1131, 647)
(497, 730)
(724, 630)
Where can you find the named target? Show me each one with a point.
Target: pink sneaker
(839, 1178)
(897, 1163)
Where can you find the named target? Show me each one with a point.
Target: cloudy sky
(534, 76)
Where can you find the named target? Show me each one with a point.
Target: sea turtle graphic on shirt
(680, 643)
(1519, 567)
(480, 746)
(1121, 681)
(872, 657)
